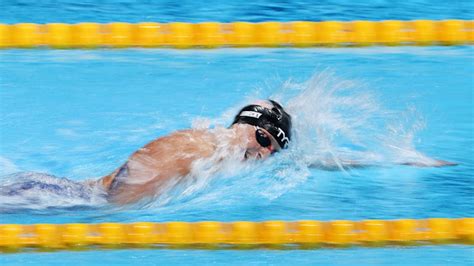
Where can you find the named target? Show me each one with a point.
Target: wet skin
(170, 158)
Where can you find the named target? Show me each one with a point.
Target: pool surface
(80, 113)
(70, 11)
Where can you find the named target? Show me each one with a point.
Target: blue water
(47, 11)
(81, 113)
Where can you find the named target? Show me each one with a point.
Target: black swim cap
(276, 121)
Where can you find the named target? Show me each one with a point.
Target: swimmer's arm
(350, 164)
(435, 163)
(339, 165)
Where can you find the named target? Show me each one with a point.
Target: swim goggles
(263, 139)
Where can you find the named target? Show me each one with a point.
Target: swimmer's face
(261, 145)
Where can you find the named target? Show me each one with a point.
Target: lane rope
(212, 234)
(237, 34)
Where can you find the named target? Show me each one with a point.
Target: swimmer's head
(271, 121)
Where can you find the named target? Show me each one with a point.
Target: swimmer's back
(153, 165)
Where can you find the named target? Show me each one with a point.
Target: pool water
(93, 108)
(71, 11)
(81, 113)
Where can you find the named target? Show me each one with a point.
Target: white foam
(29, 190)
(337, 123)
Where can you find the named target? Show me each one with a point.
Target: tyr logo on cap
(281, 134)
(251, 114)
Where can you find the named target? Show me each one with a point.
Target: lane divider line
(237, 34)
(239, 234)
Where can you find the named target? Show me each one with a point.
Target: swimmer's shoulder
(194, 135)
(188, 139)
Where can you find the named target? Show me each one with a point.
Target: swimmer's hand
(331, 165)
(349, 164)
(435, 163)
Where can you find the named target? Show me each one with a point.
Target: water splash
(29, 190)
(341, 124)
(337, 124)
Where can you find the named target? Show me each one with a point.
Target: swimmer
(258, 131)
